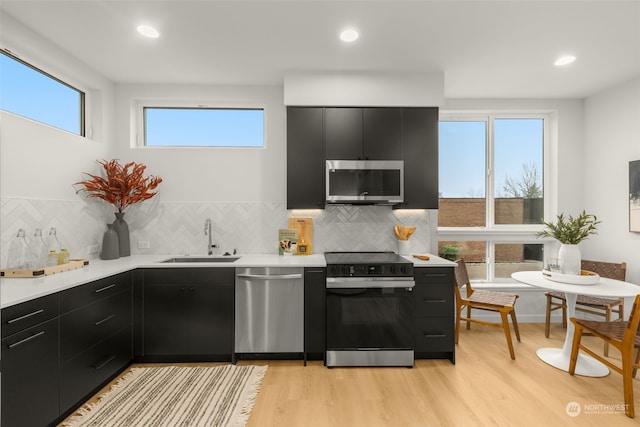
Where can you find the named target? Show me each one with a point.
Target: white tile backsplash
(176, 228)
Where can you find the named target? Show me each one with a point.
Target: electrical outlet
(93, 249)
(144, 244)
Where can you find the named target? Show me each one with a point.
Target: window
(203, 127)
(32, 93)
(492, 197)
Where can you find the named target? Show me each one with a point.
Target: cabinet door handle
(433, 275)
(439, 301)
(105, 288)
(17, 319)
(104, 363)
(26, 340)
(434, 335)
(106, 319)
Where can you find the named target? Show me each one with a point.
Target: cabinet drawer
(433, 300)
(85, 327)
(30, 381)
(433, 275)
(21, 316)
(191, 276)
(434, 334)
(86, 294)
(90, 369)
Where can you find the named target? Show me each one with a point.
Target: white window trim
(508, 233)
(138, 106)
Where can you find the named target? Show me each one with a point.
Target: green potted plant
(570, 231)
(449, 252)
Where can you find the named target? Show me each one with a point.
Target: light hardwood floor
(484, 388)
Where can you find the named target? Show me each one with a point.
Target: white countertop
(17, 290)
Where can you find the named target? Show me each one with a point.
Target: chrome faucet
(207, 232)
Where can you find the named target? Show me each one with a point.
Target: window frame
(138, 140)
(83, 110)
(493, 233)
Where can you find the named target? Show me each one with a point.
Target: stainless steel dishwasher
(269, 315)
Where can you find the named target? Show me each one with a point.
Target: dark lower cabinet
(95, 337)
(434, 313)
(314, 313)
(188, 314)
(30, 376)
(89, 370)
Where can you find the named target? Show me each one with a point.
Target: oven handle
(370, 282)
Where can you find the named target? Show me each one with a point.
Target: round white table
(559, 357)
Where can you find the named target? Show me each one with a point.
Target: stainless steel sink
(203, 259)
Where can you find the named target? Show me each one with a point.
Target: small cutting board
(305, 231)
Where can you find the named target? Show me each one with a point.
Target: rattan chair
(621, 334)
(499, 302)
(603, 307)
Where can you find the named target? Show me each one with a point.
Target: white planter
(569, 258)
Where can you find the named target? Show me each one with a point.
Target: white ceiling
(488, 49)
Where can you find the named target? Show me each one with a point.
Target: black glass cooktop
(364, 258)
(367, 264)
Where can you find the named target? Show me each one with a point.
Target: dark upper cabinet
(316, 134)
(343, 133)
(420, 155)
(382, 133)
(305, 158)
(363, 133)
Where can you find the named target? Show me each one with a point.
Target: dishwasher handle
(270, 276)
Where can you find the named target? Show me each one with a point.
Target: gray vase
(110, 244)
(122, 228)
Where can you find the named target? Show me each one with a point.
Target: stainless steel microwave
(369, 182)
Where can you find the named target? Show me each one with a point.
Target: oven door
(369, 322)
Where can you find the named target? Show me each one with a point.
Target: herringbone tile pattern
(177, 228)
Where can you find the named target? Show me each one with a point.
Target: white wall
(38, 161)
(202, 174)
(612, 140)
(364, 88)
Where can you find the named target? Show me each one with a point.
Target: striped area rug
(175, 396)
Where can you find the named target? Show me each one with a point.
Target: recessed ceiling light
(148, 31)
(564, 60)
(349, 35)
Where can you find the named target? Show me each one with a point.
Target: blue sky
(462, 154)
(29, 93)
(204, 127)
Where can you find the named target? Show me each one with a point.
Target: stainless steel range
(369, 304)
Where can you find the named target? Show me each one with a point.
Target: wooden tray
(46, 271)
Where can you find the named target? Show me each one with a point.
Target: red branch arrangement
(122, 185)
